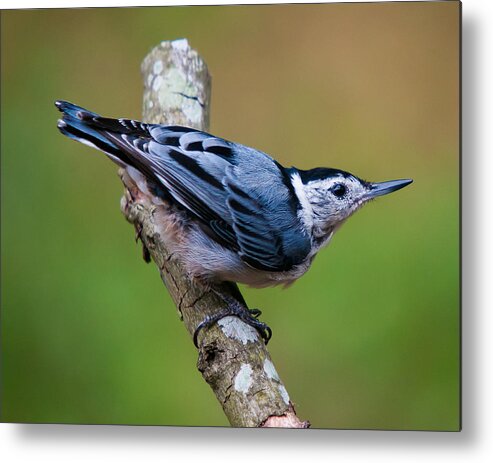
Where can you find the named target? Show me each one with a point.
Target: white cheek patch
(305, 214)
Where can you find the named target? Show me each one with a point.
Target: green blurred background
(369, 338)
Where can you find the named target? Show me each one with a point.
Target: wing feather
(260, 240)
(239, 195)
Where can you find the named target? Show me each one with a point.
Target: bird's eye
(338, 190)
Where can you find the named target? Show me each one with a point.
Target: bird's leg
(236, 306)
(236, 293)
(130, 197)
(146, 255)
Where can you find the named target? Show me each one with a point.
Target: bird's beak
(384, 188)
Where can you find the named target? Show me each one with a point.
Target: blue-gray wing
(240, 196)
(263, 208)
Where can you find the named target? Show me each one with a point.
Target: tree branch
(233, 359)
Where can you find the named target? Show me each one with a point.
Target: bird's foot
(146, 255)
(249, 316)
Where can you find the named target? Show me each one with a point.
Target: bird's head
(329, 196)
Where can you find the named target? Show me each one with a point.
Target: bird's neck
(311, 211)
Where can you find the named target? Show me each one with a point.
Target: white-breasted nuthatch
(231, 213)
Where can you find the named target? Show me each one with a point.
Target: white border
(42, 443)
(9, 4)
(109, 3)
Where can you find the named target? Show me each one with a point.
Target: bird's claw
(138, 236)
(249, 316)
(255, 312)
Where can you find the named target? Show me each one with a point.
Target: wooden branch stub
(233, 359)
(177, 86)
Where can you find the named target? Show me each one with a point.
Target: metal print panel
(264, 152)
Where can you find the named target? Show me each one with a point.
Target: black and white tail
(121, 140)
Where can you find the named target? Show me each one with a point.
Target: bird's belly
(240, 272)
(223, 265)
(208, 261)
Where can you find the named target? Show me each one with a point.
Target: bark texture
(233, 359)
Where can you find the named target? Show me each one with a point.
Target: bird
(230, 213)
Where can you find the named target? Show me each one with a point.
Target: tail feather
(91, 129)
(73, 110)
